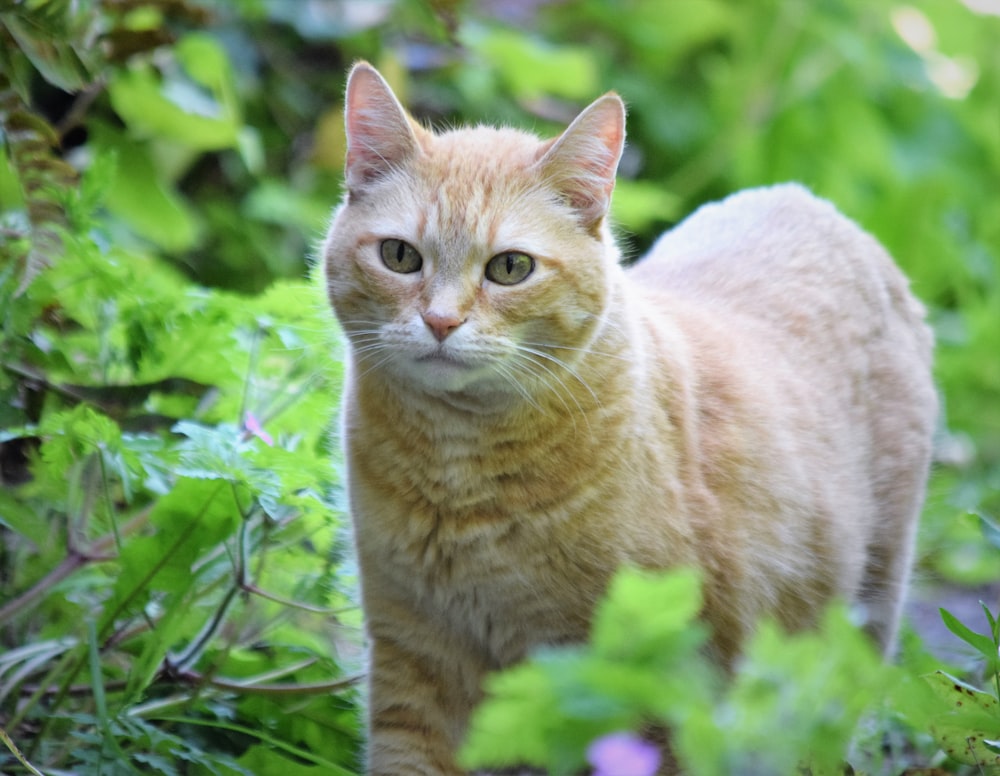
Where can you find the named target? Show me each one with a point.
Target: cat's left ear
(582, 162)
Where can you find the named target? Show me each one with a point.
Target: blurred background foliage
(168, 373)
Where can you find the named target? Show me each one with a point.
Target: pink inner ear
(379, 135)
(583, 161)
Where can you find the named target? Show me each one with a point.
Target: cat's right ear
(380, 134)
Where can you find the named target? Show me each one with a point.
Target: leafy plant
(171, 537)
(176, 594)
(968, 725)
(191, 503)
(792, 699)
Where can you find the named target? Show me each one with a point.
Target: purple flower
(623, 754)
(253, 426)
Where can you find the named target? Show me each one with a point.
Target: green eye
(509, 268)
(400, 256)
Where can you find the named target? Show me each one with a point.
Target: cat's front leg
(420, 701)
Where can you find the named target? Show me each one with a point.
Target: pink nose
(441, 324)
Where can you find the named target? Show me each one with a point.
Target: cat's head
(474, 261)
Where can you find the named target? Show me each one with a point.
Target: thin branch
(194, 649)
(253, 589)
(27, 599)
(74, 560)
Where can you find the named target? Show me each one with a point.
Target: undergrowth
(177, 592)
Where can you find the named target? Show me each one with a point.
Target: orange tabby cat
(522, 416)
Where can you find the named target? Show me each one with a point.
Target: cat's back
(789, 260)
(802, 329)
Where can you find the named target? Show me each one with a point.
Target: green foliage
(172, 543)
(202, 552)
(643, 663)
(167, 378)
(967, 721)
(792, 699)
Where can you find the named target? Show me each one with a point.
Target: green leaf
(971, 707)
(277, 202)
(643, 610)
(41, 34)
(534, 68)
(969, 718)
(141, 197)
(795, 698)
(263, 759)
(524, 693)
(191, 520)
(195, 120)
(205, 60)
(24, 519)
(994, 624)
(326, 765)
(983, 644)
(643, 663)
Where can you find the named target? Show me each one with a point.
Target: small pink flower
(623, 754)
(251, 424)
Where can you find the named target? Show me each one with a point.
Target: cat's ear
(381, 136)
(581, 163)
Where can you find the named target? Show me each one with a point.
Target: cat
(522, 416)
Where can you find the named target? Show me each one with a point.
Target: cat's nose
(441, 324)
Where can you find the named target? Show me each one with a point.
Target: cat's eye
(509, 268)
(400, 256)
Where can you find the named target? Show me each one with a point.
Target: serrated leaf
(515, 725)
(641, 609)
(192, 519)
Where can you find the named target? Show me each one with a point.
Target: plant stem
(74, 560)
(17, 753)
(27, 599)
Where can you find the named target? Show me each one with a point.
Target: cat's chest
(473, 567)
(478, 537)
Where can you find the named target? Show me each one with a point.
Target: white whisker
(563, 364)
(525, 354)
(585, 351)
(508, 372)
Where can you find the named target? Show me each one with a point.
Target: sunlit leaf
(181, 114)
(533, 68)
(983, 644)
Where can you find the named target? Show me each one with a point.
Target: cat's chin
(459, 383)
(440, 373)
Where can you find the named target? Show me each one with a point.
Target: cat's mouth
(443, 358)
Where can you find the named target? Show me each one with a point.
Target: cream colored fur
(753, 398)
